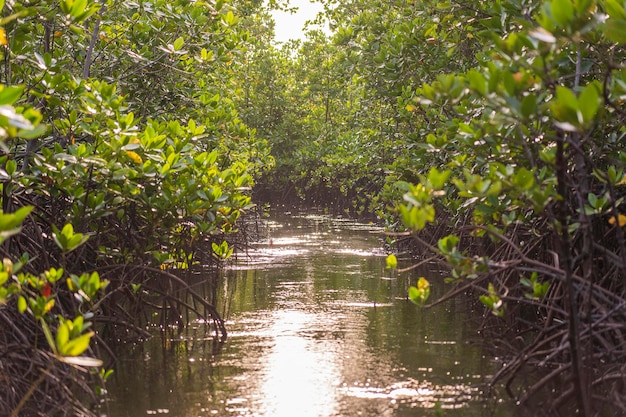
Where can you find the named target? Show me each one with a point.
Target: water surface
(317, 328)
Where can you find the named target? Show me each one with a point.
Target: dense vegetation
(489, 136)
(123, 155)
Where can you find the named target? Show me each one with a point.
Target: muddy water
(317, 328)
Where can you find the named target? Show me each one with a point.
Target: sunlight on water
(317, 328)
(299, 374)
(423, 394)
(314, 353)
(360, 252)
(367, 305)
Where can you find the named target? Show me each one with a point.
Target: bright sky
(289, 26)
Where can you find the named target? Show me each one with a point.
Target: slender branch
(566, 265)
(417, 265)
(92, 42)
(29, 393)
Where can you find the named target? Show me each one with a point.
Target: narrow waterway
(317, 327)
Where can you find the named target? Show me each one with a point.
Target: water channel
(317, 328)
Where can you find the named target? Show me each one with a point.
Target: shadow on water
(317, 327)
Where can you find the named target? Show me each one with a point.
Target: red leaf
(46, 290)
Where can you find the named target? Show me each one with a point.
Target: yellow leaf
(3, 37)
(134, 156)
(48, 306)
(422, 283)
(621, 219)
(622, 182)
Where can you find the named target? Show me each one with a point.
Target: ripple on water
(414, 393)
(316, 330)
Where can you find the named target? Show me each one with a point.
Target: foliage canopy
(492, 135)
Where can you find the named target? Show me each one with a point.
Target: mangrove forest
(144, 142)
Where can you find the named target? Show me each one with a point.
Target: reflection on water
(317, 327)
(288, 387)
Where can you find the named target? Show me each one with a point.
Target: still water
(317, 328)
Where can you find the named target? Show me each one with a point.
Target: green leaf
(416, 218)
(566, 97)
(615, 30)
(419, 294)
(66, 6)
(447, 244)
(33, 132)
(583, 6)
(66, 239)
(562, 11)
(77, 8)
(222, 251)
(540, 289)
(10, 221)
(63, 336)
(486, 300)
(589, 103)
(391, 262)
(565, 109)
(529, 105)
(510, 85)
(178, 43)
(48, 334)
(524, 179)
(612, 173)
(438, 179)
(478, 82)
(230, 18)
(76, 346)
(88, 12)
(493, 301)
(526, 282)
(11, 167)
(77, 326)
(8, 19)
(9, 95)
(21, 304)
(614, 9)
